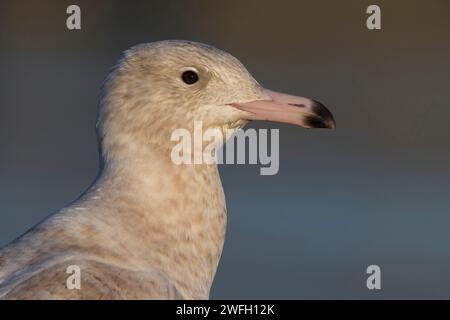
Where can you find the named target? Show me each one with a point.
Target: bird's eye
(189, 77)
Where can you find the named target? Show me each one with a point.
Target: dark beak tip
(326, 117)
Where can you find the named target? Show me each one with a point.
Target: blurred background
(374, 191)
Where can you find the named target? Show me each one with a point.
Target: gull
(148, 228)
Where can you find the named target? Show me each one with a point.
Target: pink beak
(285, 108)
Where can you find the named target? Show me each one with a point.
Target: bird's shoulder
(97, 280)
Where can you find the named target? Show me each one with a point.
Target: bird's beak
(285, 108)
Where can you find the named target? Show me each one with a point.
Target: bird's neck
(169, 217)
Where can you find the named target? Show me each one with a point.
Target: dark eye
(190, 77)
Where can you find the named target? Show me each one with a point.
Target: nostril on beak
(324, 114)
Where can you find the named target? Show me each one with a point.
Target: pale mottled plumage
(147, 228)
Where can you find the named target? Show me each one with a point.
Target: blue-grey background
(374, 191)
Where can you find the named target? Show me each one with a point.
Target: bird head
(158, 87)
